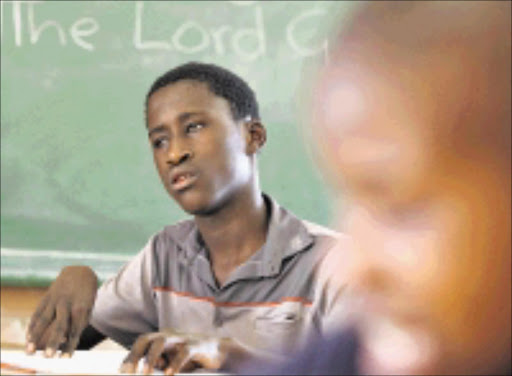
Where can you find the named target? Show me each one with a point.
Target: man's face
(429, 213)
(198, 148)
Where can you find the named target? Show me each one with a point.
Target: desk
(92, 362)
(82, 363)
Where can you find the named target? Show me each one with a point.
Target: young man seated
(243, 276)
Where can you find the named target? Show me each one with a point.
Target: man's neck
(234, 233)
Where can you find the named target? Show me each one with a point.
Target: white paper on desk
(81, 363)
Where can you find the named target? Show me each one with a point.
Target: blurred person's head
(413, 113)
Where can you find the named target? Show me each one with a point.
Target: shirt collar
(286, 236)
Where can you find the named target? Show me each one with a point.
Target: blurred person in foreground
(413, 114)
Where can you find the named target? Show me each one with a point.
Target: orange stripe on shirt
(233, 304)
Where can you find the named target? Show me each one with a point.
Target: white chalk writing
(291, 34)
(246, 40)
(81, 28)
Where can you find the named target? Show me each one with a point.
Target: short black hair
(220, 81)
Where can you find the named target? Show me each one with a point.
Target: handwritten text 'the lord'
(248, 42)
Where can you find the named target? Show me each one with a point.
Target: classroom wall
(77, 178)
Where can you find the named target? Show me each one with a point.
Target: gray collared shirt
(269, 304)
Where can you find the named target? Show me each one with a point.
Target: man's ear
(256, 136)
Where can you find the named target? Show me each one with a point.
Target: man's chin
(195, 207)
(189, 201)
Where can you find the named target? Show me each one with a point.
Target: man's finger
(41, 323)
(79, 320)
(181, 358)
(138, 350)
(60, 329)
(35, 316)
(31, 339)
(154, 353)
(208, 362)
(190, 365)
(162, 362)
(168, 353)
(127, 368)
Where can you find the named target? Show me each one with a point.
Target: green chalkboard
(78, 183)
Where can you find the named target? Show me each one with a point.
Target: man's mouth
(182, 181)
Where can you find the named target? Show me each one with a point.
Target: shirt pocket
(280, 326)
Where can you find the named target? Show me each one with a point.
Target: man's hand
(63, 312)
(173, 352)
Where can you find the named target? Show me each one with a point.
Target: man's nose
(178, 153)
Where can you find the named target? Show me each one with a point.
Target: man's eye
(193, 127)
(159, 143)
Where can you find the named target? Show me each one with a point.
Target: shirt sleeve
(125, 307)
